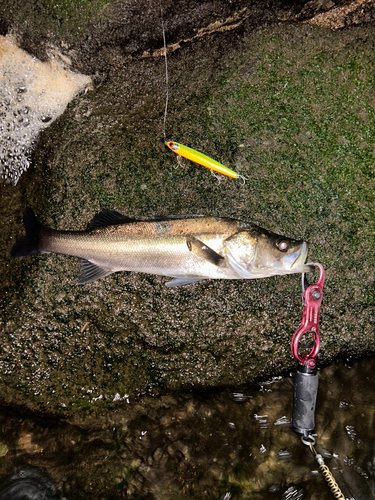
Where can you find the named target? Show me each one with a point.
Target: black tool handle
(304, 400)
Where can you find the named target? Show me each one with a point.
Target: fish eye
(282, 245)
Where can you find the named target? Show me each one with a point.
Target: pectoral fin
(184, 280)
(203, 251)
(91, 272)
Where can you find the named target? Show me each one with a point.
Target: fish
(201, 159)
(187, 249)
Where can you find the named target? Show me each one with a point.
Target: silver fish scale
(182, 248)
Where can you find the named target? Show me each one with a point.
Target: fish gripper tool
(306, 378)
(312, 296)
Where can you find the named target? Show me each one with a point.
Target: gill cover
(241, 251)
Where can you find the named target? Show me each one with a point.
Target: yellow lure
(201, 159)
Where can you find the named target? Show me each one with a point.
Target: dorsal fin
(176, 217)
(108, 218)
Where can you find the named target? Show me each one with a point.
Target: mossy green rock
(289, 107)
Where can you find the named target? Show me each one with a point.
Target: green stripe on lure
(201, 159)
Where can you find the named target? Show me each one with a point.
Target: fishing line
(184, 151)
(166, 75)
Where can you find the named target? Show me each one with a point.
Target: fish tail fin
(28, 244)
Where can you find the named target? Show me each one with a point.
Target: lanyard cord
(326, 473)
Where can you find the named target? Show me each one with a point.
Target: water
(32, 95)
(228, 445)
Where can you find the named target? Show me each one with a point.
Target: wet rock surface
(124, 388)
(288, 106)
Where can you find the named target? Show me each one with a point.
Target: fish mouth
(295, 262)
(299, 265)
(309, 267)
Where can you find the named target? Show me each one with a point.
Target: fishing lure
(201, 159)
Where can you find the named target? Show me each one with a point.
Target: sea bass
(187, 249)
